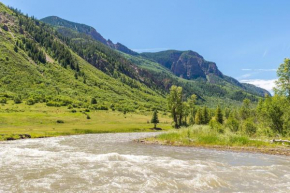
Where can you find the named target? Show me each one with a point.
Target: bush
(233, 124)
(216, 126)
(30, 101)
(59, 121)
(94, 101)
(3, 100)
(17, 100)
(88, 117)
(53, 104)
(249, 127)
(73, 111)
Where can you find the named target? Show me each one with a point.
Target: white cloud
(260, 70)
(245, 76)
(266, 84)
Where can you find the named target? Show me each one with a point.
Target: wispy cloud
(149, 49)
(265, 53)
(260, 70)
(245, 76)
(266, 84)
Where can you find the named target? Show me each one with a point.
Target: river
(113, 163)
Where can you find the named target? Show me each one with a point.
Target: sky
(247, 39)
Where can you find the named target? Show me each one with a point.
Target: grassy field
(40, 120)
(206, 137)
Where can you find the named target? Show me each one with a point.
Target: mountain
(82, 28)
(191, 65)
(64, 64)
(185, 64)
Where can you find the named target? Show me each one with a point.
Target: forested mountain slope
(36, 65)
(205, 80)
(66, 65)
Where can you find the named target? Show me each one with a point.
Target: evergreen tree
(155, 119)
(15, 48)
(205, 115)
(219, 115)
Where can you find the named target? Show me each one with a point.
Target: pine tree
(219, 115)
(205, 115)
(155, 119)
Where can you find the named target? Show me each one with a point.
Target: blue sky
(247, 39)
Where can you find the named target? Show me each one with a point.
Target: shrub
(249, 127)
(88, 117)
(233, 124)
(59, 121)
(30, 101)
(73, 111)
(216, 126)
(3, 100)
(94, 101)
(17, 100)
(53, 104)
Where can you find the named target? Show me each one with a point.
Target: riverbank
(203, 137)
(20, 121)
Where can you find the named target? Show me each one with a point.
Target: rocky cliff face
(185, 64)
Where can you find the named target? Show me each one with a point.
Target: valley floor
(37, 121)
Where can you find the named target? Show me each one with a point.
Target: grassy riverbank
(203, 136)
(40, 120)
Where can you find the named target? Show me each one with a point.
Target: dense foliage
(270, 117)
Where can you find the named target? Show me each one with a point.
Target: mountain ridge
(86, 29)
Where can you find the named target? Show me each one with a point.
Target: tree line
(270, 116)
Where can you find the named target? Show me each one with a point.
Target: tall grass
(203, 136)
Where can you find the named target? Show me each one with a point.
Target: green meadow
(39, 120)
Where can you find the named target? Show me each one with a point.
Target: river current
(114, 163)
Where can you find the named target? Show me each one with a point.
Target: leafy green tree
(198, 117)
(245, 111)
(155, 119)
(191, 107)
(219, 115)
(175, 105)
(283, 83)
(271, 113)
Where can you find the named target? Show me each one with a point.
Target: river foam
(113, 163)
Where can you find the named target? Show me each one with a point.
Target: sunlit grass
(41, 121)
(204, 136)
